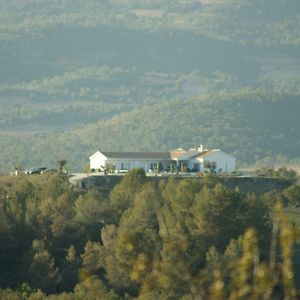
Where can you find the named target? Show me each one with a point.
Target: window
(154, 166)
(196, 167)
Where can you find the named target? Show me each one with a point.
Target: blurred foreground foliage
(173, 239)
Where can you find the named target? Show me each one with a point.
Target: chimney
(200, 148)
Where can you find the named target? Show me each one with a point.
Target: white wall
(223, 161)
(97, 160)
(128, 164)
(122, 164)
(194, 161)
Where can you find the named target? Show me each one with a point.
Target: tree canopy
(171, 239)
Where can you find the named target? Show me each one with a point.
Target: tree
(221, 214)
(292, 195)
(69, 270)
(290, 175)
(91, 288)
(62, 165)
(91, 214)
(128, 251)
(42, 272)
(122, 195)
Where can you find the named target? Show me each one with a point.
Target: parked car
(35, 170)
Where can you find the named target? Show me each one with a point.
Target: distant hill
(148, 75)
(252, 125)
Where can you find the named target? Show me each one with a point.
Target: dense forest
(170, 239)
(76, 75)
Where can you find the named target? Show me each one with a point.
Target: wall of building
(195, 165)
(128, 164)
(97, 160)
(224, 162)
(125, 164)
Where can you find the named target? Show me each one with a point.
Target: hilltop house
(195, 160)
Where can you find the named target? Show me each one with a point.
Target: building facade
(193, 160)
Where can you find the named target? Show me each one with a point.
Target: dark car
(39, 170)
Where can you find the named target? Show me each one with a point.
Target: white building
(121, 161)
(223, 162)
(195, 160)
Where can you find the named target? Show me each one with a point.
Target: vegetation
(149, 128)
(221, 72)
(78, 76)
(261, 22)
(171, 240)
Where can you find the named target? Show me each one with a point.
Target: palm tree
(61, 165)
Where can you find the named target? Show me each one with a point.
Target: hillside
(148, 75)
(224, 120)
